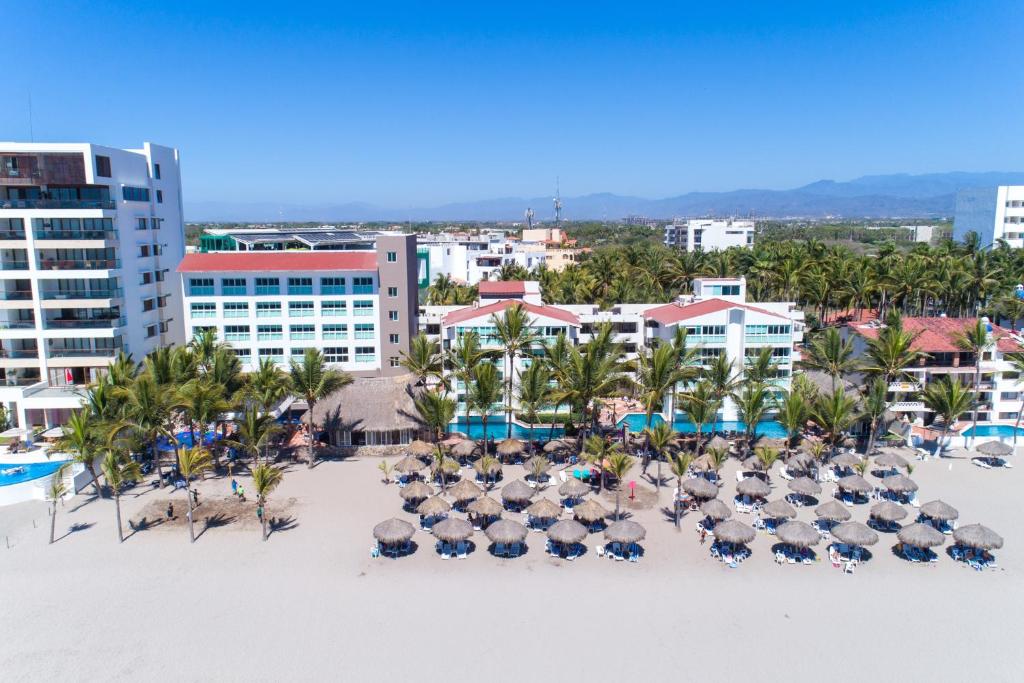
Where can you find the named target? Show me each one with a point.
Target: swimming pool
(769, 428)
(498, 429)
(27, 471)
(1000, 431)
(185, 439)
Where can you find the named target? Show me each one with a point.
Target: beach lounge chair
(780, 557)
(461, 550)
(500, 550)
(374, 551)
(599, 549)
(446, 553)
(790, 558)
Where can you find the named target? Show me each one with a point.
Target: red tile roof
(508, 287)
(939, 335)
(260, 261)
(673, 313)
(471, 312)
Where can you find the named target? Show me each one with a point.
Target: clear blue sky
(404, 105)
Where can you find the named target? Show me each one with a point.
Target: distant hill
(879, 196)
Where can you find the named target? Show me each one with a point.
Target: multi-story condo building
(709, 234)
(994, 213)
(88, 235)
(357, 306)
(717, 318)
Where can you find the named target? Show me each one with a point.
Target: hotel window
(392, 257)
(200, 286)
(268, 286)
(276, 355)
(393, 292)
(236, 333)
(135, 194)
(148, 305)
(204, 310)
(301, 332)
(393, 339)
(244, 355)
(236, 309)
(332, 285)
(362, 285)
(298, 352)
(338, 354)
(335, 331)
(199, 330)
(141, 224)
(154, 223)
(393, 316)
(269, 333)
(156, 171)
(233, 286)
(151, 331)
(300, 285)
(365, 354)
(332, 308)
(159, 196)
(394, 361)
(102, 166)
(300, 309)
(362, 307)
(268, 309)
(364, 331)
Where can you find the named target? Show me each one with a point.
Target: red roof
(673, 313)
(506, 288)
(939, 335)
(259, 261)
(471, 312)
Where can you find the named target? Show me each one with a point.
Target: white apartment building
(994, 213)
(88, 235)
(358, 307)
(717, 318)
(709, 234)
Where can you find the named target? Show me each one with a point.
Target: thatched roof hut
(589, 511)
(517, 492)
(625, 531)
(854, 533)
(421, 449)
(485, 506)
(778, 509)
(889, 458)
(452, 530)
(718, 442)
(799, 534)
(409, 464)
(416, 490)
(855, 484)
(508, 447)
(698, 487)
(544, 509)
(573, 488)
(490, 470)
(716, 510)
(898, 483)
(978, 536)
(732, 531)
(846, 460)
(920, 535)
(465, 449)
(888, 511)
(939, 511)
(567, 531)
(753, 487)
(393, 531)
(506, 531)
(805, 486)
(464, 490)
(832, 511)
(375, 411)
(434, 506)
(996, 449)
(559, 446)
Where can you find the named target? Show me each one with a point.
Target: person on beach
(195, 496)
(703, 535)
(234, 487)
(241, 494)
(170, 510)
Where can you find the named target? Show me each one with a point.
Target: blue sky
(403, 104)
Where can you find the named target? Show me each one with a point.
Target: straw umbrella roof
(416, 490)
(517, 491)
(510, 447)
(732, 531)
(799, 461)
(463, 490)
(805, 486)
(625, 531)
(409, 464)
(716, 510)
(995, 448)
(753, 486)
(855, 483)
(393, 531)
(573, 488)
(890, 459)
(942, 511)
(753, 464)
(772, 443)
(978, 536)
(777, 509)
(485, 505)
(800, 534)
(700, 488)
(506, 531)
(493, 468)
(718, 442)
(888, 511)
(449, 466)
(369, 404)
(433, 506)
(589, 511)
(420, 448)
(855, 533)
(898, 483)
(465, 449)
(920, 535)
(833, 511)
(567, 531)
(544, 509)
(845, 460)
(535, 461)
(701, 464)
(453, 529)
(557, 445)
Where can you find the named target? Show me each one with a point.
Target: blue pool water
(769, 428)
(1001, 431)
(29, 471)
(498, 430)
(185, 439)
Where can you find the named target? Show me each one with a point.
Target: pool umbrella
(625, 531)
(845, 460)
(799, 534)
(417, 490)
(573, 488)
(510, 447)
(699, 487)
(420, 449)
(517, 492)
(465, 449)
(716, 510)
(718, 442)
(432, 507)
(995, 449)
(754, 487)
(920, 535)
(799, 461)
(453, 530)
(888, 511)
(506, 531)
(854, 533)
(544, 509)
(898, 483)
(752, 464)
(485, 506)
(732, 531)
(558, 445)
(450, 467)
(589, 511)
(890, 459)
(805, 486)
(978, 536)
(778, 509)
(493, 468)
(939, 511)
(832, 511)
(567, 531)
(409, 464)
(855, 483)
(393, 531)
(701, 464)
(464, 490)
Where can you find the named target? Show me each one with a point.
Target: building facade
(709, 234)
(88, 236)
(994, 213)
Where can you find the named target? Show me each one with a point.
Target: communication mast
(529, 218)
(558, 203)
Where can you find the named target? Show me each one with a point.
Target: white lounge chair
(599, 549)
(461, 550)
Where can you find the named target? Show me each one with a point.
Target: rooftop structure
(709, 234)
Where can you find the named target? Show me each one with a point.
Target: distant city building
(709, 234)
(994, 213)
(89, 235)
(924, 234)
(641, 220)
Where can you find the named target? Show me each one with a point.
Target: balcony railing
(79, 264)
(19, 353)
(12, 234)
(44, 234)
(17, 325)
(230, 290)
(57, 204)
(13, 265)
(767, 339)
(84, 323)
(61, 295)
(268, 290)
(705, 338)
(81, 353)
(19, 381)
(16, 295)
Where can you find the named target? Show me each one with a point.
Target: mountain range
(931, 195)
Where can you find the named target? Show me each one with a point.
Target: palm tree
(556, 359)
(766, 457)
(1016, 361)
(701, 406)
(949, 400)
(618, 465)
(462, 361)
(203, 346)
(424, 358)
(436, 410)
(680, 466)
(203, 403)
(834, 413)
(267, 386)
(440, 457)
(265, 479)
(192, 462)
(594, 372)
(657, 373)
(253, 431)
(534, 393)
(793, 415)
(596, 451)
(486, 463)
(80, 439)
(659, 438)
(828, 353)
(119, 470)
(719, 374)
(148, 411)
(875, 404)
(752, 404)
(514, 330)
(717, 457)
(975, 339)
(891, 353)
(314, 381)
(122, 370)
(483, 393)
(55, 491)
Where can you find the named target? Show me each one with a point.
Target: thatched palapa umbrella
(573, 488)
(558, 446)
(421, 449)
(799, 534)
(464, 490)
(416, 490)
(625, 531)
(799, 462)
(393, 531)
(517, 492)
(854, 533)
(718, 442)
(732, 531)
(805, 486)
(996, 449)
(939, 511)
(434, 506)
(699, 487)
(506, 531)
(465, 449)
(509, 447)
(888, 511)
(832, 511)
(544, 509)
(855, 484)
(491, 470)
(409, 464)
(753, 487)
(453, 530)
(898, 483)
(920, 535)
(485, 506)
(890, 459)
(778, 509)
(845, 460)
(589, 511)
(716, 510)
(978, 536)
(567, 531)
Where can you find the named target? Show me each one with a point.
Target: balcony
(44, 234)
(17, 325)
(705, 338)
(19, 353)
(61, 295)
(230, 290)
(362, 289)
(767, 339)
(84, 323)
(266, 290)
(12, 234)
(19, 381)
(13, 265)
(16, 295)
(81, 353)
(106, 204)
(80, 264)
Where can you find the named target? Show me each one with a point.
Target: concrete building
(709, 234)
(994, 213)
(88, 235)
(357, 306)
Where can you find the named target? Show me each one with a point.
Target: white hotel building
(717, 318)
(994, 213)
(88, 235)
(709, 234)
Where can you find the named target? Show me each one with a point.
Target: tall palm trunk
(873, 427)
(551, 430)
(483, 419)
(310, 402)
(117, 511)
(1016, 425)
(509, 363)
(188, 502)
(95, 479)
(977, 397)
(675, 503)
(53, 520)
(263, 522)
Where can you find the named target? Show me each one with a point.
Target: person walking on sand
(170, 510)
(703, 535)
(241, 494)
(234, 487)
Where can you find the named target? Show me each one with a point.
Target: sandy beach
(310, 604)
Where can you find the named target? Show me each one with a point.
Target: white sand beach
(310, 604)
